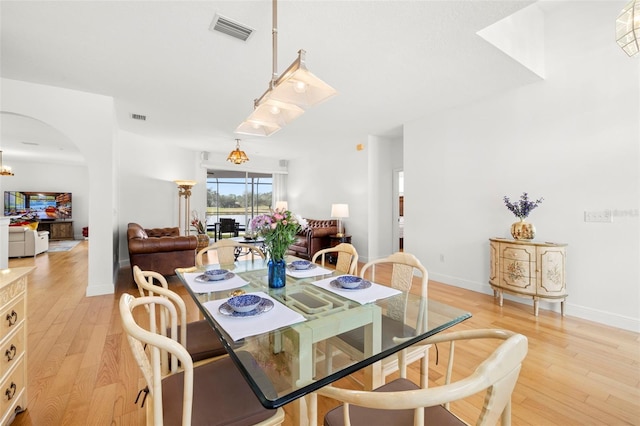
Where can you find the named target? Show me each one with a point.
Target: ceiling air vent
(139, 117)
(230, 27)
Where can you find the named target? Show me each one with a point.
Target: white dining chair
(213, 393)
(198, 337)
(347, 257)
(403, 403)
(226, 251)
(405, 267)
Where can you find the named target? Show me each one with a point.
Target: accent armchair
(26, 242)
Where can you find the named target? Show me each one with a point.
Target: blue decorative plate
(309, 267)
(364, 284)
(265, 305)
(205, 279)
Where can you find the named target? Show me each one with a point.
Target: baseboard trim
(578, 311)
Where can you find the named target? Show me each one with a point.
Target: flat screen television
(46, 205)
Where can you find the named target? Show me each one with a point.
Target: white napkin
(208, 287)
(366, 295)
(306, 273)
(241, 327)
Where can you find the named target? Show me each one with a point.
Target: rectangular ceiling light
(230, 27)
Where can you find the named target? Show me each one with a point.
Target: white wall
(572, 139)
(148, 193)
(317, 181)
(88, 121)
(384, 158)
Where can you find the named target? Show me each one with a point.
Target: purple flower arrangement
(279, 230)
(523, 206)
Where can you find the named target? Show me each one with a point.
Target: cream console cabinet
(13, 342)
(528, 269)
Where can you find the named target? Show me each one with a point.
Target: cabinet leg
(562, 307)
(535, 306)
(501, 298)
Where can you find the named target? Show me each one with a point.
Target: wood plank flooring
(81, 372)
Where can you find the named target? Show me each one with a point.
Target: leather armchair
(160, 249)
(313, 238)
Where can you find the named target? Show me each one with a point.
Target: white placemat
(367, 295)
(240, 327)
(306, 273)
(197, 287)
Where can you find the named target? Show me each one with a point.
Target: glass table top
(291, 361)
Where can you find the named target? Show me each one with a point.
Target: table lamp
(340, 211)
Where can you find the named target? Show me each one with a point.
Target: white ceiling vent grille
(230, 27)
(139, 117)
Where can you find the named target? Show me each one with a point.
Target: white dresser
(528, 269)
(13, 342)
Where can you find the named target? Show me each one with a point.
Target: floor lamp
(184, 190)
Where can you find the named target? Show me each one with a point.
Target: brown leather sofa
(313, 238)
(160, 249)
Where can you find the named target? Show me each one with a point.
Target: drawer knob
(11, 352)
(12, 317)
(11, 391)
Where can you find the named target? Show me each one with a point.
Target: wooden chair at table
(347, 261)
(198, 337)
(213, 393)
(226, 250)
(401, 402)
(404, 267)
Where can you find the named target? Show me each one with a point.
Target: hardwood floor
(81, 372)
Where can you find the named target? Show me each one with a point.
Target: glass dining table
(284, 348)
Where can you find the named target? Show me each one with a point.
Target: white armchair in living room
(24, 241)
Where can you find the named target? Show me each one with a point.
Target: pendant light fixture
(237, 156)
(288, 94)
(628, 28)
(4, 170)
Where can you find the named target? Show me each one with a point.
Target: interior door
(398, 211)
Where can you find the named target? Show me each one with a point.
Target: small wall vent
(230, 27)
(139, 117)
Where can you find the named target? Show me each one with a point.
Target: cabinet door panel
(551, 278)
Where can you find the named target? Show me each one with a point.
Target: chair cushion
(203, 342)
(221, 396)
(372, 416)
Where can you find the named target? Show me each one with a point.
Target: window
(238, 195)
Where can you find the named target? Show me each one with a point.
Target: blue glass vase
(277, 273)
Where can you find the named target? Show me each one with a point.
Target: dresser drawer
(518, 252)
(13, 387)
(517, 275)
(11, 350)
(12, 316)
